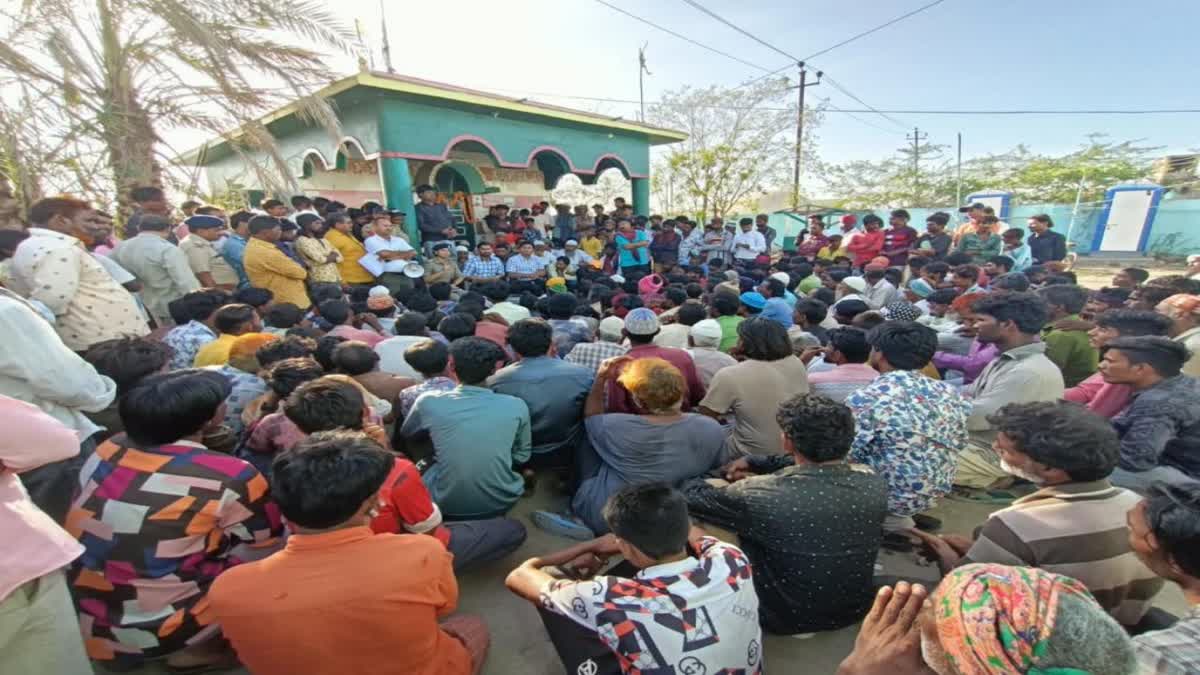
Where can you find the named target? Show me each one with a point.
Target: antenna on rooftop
(387, 48)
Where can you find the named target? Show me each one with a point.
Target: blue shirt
(522, 265)
(478, 435)
(484, 269)
(1022, 257)
(185, 341)
(233, 251)
(635, 257)
(554, 392)
(909, 428)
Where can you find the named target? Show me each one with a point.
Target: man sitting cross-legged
(1075, 523)
(811, 524)
(340, 598)
(681, 602)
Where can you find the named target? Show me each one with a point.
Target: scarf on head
(995, 620)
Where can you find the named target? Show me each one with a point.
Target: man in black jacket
(1045, 245)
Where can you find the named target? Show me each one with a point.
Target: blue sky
(959, 54)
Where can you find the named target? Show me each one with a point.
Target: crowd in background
(274, 437)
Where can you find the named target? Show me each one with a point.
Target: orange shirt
(347, 601)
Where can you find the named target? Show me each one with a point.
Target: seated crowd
(227, 435)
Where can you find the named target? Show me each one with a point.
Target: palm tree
(114, 74)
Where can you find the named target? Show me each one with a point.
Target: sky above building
(959, 54)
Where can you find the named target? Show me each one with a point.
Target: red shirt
(489, 330)
(865, 246)
(619, 400)
(407, 506)
(901, 238)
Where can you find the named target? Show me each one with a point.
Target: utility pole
(387, 48)
(804, 84)
(958, 189)
(916, 139)
(642, 70)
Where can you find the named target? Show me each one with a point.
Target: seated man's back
(345, 601)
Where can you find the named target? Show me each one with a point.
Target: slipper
(562, 526)
(898, 542)
(926, 523)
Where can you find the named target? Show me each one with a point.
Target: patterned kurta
(158, 525)
(185, 341)
(909, 429)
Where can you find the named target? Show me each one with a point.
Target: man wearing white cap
(641, 325)
(705, 339)
(576, 255)
(592, 354)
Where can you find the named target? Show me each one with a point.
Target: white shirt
(39, 369)
(757, 245)
(391, 356)
(374, 244)
(511, 311)
(578, 257)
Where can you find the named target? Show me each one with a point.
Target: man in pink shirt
(641, 325)
(1101, 397)
(849, 351)
(869, 243)
(340, 314)
(39, 632)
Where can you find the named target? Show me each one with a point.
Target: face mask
(1020, 473)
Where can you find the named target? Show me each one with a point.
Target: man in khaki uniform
(207, 264)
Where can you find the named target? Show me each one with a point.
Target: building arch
(552, 162)
(611, 161)
(472, 143)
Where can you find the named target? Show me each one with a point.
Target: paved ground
(520, 647)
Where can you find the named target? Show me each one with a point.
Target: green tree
(113, 74)
(740, 144)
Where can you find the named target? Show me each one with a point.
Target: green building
(478, 148)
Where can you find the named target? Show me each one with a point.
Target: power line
(834, 83)
(880, 27)
(685, 38)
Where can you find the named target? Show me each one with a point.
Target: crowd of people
(276, 437)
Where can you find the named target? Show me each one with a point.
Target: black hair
(1013, 281)
(432, 319)
(763, 339)
(940, 217)
(777, 288)
(1043, 218)
(1026, 310)
(1071, 298)
(1062, 278)
(456, 326)
(1113, 297)
(967, 272)
(325, 404)
(326, 478)
(917, 263)
(283, 315)
(1061, 435)
(300, 202)
(324, 293)
(146, 193)
(428, 357)
(253, 296)
(497, 291)
(725, 304)
(263, 223)
(937, 267)
(336, 312)
(355, 358)
(694, 291)
(530, 337)
(814, 311)
(560, 306)
(1002, 261)
(238, 218)
(231, 318)
(851, 342)
(200, 305)
(652, 517)
(820, 429)
(1133, 322)
(128, 360)
(1164, 355)
(475, 359)
(270, 204)
(287, 347)
(409, 323)
(956, 259)
(166, 407)
(154, 223)
(872, 218)
(850, 308)
(691, 313)
(1151, 295)
(309, 332)
(901, 213)
(440, 291)
(942, 296)
(475, 309)
(824, 295)
(868, 319)
(907, 345)
(1177, 282)
(676, 295)
(1173, 514)
(873, 274)
(323, 352)
(282, 377)
(421, 302)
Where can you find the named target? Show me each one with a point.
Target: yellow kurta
(351, 250)
(268, 267)
(215, 353)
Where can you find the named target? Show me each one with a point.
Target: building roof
(452, 93)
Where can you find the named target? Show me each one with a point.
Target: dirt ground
(520, 646)
(1098, 272)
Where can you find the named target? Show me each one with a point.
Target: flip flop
(562, 526)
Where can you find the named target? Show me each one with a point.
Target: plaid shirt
(1174, 651)
(478, 267)
(592, 354)
(519, 264)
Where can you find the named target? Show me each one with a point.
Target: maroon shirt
(899, 238)
(619, 400)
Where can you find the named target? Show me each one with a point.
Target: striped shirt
(1174, 651)
(519, 264)
(1078, 530)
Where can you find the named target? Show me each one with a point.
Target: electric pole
(387, 48)
(642, 70)
(804, 84)
(916, 139)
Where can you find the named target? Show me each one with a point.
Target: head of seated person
(650, 522)
(326, 404)
(474, 359)
(816, 429)
(168, 407)
(656, 385)
(330, 481)
(1054, 442)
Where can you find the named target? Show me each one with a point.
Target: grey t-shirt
(629, 450)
